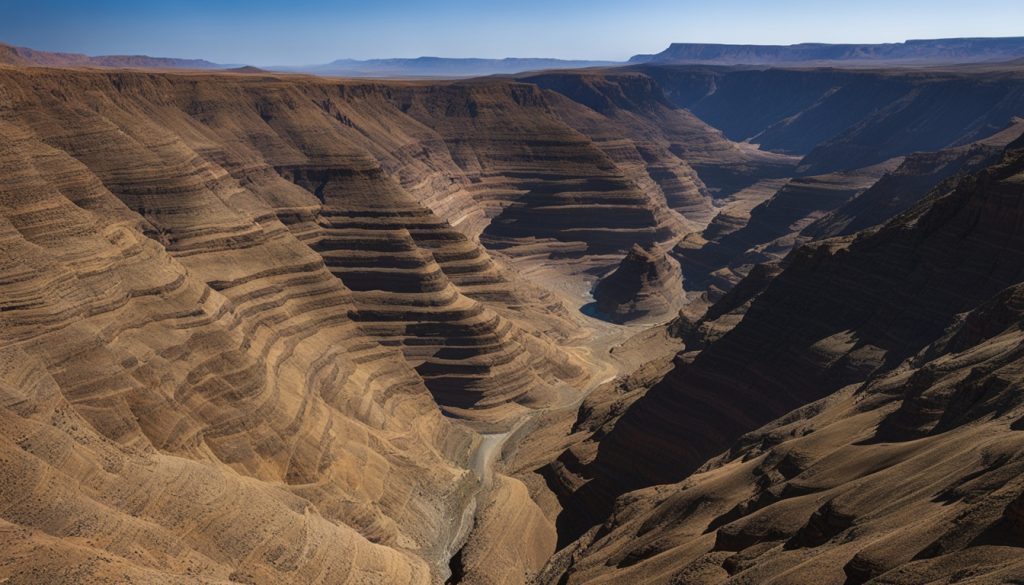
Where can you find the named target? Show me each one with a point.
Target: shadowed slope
(847, 119)
(773, 229)
(913, 477)
(841, 310)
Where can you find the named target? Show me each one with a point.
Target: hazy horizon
(317, 31)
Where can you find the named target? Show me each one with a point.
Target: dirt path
(604, 368)
(489, 451)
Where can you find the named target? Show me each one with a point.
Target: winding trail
(488, 451)
(604, 367)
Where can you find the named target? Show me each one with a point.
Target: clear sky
(260, 32)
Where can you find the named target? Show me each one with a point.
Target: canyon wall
(251, 326)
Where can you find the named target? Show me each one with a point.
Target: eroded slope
(904, 345)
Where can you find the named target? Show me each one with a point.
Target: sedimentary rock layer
(265, 287)
(916, 176)
(201, 409)
(235, 310)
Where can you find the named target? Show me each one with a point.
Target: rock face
(647, 284)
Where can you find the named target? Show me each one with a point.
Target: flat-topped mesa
(23, 56)
(647, 284)
(911, 52)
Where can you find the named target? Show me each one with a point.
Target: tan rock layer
(163, 428)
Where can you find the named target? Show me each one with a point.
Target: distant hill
(246, 69)
(925, 52)
(11, 55)
(439, 67)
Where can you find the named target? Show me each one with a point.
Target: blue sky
(315, 31)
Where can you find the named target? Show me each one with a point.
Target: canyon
(661, 323)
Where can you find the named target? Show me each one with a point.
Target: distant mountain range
(413, 67)
(11, 55)
(921, 52)
(439, 67)
(1008, 50)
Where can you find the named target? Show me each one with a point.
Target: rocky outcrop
(648, 284)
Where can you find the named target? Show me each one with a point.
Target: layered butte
(647, 284)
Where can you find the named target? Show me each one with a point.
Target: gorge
(662, 323)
